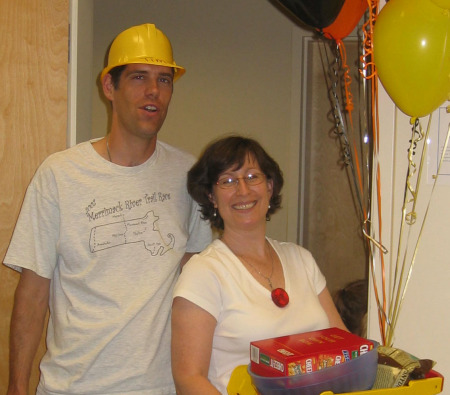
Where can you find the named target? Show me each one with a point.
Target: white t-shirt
(110, 238)
(216, 281)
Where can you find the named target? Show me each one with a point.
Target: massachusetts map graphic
(143, 230)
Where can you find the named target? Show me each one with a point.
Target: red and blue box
(305, 352)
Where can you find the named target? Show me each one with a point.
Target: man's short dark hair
(116, 72)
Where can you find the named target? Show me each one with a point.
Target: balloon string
(360, 182)
(340, 127)
(368, 72)
(376, 139)
(349, 106)
(367, 28)
(366, 61)
(403, 285)
(373, 7)
(382, 315)
(347, 80)
(416, 138)
(425, 217)
(341, 131)
(408, 218)
(411, 191)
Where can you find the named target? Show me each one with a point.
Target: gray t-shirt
(110, 238)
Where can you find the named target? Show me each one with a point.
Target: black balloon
(314, 13)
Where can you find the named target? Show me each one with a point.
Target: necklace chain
(279, 296)
(107, 148)
(269, 279)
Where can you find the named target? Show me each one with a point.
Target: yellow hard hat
(142, 44)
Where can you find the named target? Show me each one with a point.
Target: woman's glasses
(232, 182)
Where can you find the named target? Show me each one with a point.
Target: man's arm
(27, 324)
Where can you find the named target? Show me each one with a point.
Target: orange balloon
(347, 19)
(411, 51)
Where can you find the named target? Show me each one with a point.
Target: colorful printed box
(305, 352)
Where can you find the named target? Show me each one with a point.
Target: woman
(243, 286)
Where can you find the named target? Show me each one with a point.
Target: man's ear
(108, 86)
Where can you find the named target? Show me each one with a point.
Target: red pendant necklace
(279, 296)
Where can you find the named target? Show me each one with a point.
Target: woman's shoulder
(206, 268)
(288, 246)
(211, 256)
(293, 252)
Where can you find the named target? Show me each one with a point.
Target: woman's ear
(212, 199)
(270, 188)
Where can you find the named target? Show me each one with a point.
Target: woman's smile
(244, 206)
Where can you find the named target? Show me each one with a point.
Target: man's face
(141, 100)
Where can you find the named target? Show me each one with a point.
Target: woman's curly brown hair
(221, 155)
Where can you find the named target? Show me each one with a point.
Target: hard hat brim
(178, 70)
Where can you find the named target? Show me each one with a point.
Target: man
(100, 238)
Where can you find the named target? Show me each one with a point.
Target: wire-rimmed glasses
(250, 179)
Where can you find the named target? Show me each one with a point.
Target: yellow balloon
(240, 382)
(411, 50)
(442, 3)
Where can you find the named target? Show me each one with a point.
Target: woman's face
(243, 206)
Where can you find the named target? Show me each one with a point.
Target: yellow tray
(429, 386)
(241, 384)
